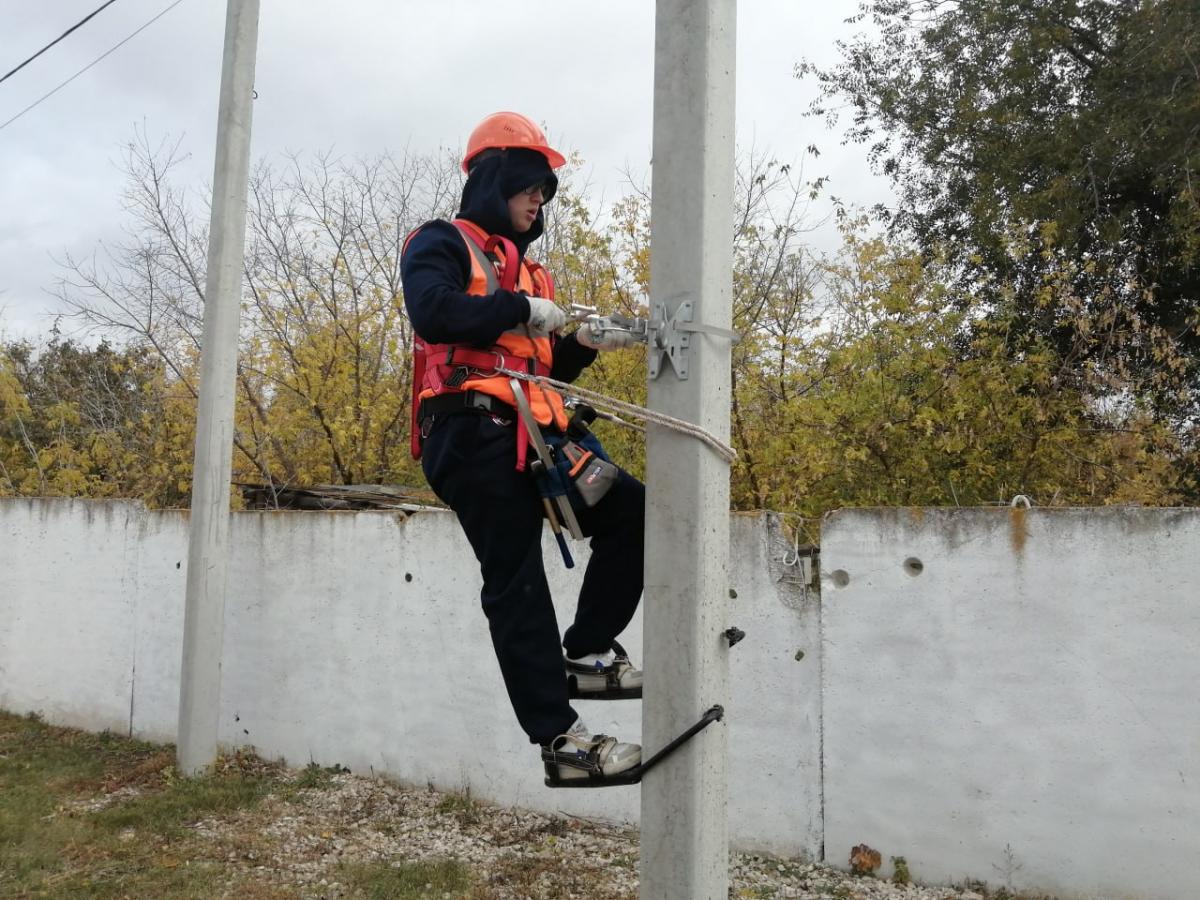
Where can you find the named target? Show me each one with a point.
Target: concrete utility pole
(208, 537)
(685, 842)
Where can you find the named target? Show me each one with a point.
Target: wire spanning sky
(361, 77)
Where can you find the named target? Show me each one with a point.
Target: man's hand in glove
(595, 335)
(544, 316)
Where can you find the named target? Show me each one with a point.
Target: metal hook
(794, 559)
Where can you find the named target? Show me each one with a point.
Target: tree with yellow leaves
(901, 398)
(865, 379)
(323, 367)
(91, 421)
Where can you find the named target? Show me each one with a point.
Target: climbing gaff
(634, 775)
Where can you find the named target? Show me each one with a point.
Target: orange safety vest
(455, 368)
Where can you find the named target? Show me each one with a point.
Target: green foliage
(1045, 139)
(92, 421)
(605, 266)
(889, 374)
(900, 401)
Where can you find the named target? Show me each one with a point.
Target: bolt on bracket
(672, 337)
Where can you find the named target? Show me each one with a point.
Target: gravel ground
(302, 843)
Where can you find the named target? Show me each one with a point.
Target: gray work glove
(597, 337)
(544, 316)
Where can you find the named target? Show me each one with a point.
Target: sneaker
(577, 756)
(579, 729)
(604, 676)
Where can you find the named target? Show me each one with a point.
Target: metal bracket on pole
(673, 337)
(666, 338)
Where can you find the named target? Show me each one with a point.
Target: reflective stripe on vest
(480, 263)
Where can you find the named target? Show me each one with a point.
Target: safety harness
(441, 370)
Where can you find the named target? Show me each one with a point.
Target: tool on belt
(575, 459)
(583, 461)
(543, 473)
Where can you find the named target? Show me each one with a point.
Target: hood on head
(497, 178)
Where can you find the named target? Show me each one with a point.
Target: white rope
(639, 412)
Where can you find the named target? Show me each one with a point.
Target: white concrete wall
(1022, 709)
(356, 638)
(67, 594)
(1025, 708)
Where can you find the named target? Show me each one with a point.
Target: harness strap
(509, 262)
(489, 361)
(522, 448)
(542, 281)
(458, 401)
(418, 382)
(500, 263)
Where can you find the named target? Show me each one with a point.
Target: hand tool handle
(537, 469)
(558, 535)
(562, 545)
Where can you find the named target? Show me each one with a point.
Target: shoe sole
(629, 776)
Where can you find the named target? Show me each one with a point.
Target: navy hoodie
(436, 266)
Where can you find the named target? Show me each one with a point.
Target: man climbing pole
(482, 310)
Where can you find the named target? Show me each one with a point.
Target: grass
(547, 877)
(461, 807)
(166, 812)
(384, 881)
(53, 843)
(101, 816)
(530, 877)
(316, 777)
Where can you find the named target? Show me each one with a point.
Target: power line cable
(78, 24)
(89, 65)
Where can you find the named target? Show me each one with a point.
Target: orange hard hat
(509, 129)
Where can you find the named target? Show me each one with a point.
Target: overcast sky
(360, 76)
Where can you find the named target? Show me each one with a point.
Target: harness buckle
(457, 377)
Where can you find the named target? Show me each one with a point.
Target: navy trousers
(469, 461)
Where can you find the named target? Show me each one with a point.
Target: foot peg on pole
(594, 777)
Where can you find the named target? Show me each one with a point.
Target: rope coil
(601, 401)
